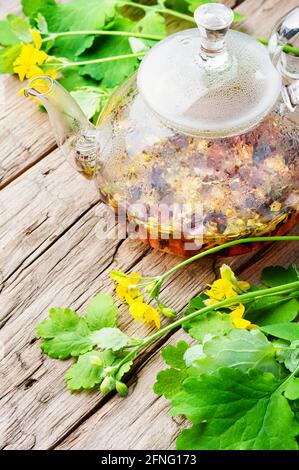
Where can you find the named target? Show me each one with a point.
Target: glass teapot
(201, 145)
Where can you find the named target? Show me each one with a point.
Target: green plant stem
(153, 37)
(287, 48)
(158, 9)
(177, 14)
(215, 249)
(243, 298)
(64, 65)
(283, 385)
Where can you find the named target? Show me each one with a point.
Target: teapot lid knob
(213, 21)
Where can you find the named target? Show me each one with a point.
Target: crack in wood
(26, 168)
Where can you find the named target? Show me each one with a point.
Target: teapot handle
(285, 33)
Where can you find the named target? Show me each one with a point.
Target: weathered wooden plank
(136, 422)
(37, 208)
(13, 6)
(25, 133)
(262, 15)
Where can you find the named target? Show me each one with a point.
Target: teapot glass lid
(210, 80)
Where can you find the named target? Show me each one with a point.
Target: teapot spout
(74, 134)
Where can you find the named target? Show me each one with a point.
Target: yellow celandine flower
(227, 273)
(27, 63)
(238, 320)
(226, 287)
(145, 313)
(126, 286)
(36, 39)
(126, 289)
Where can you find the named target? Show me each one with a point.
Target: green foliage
(7, 36)
(234, 410)
(110, 74)
(110, 338)
(76, 15)
(169, 382)
(210, 323)
(292, 389)
(20, 27)
(240, 349)
(101, 312)
(287, 353)
(32, 6)
(275, 310)
(8, 56)
(174, 355)
(51, 18)
(67, 334)
(273, 276)
(238, 387)
(288, 331)
(88, 370)
(90, 99)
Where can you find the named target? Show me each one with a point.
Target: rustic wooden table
(51, 255)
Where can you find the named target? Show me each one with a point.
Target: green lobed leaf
(88, 370)
(41, 23)
(101, 312)
(291, 391)
(111, 73)
(32, 6)
(210, 323)
(72, 80)
(89, 100)
(270, 310)
(14, 30)
(193, 354)
(76, 15)
(174, 355)
(273, 276)
(114, 73)
(60, 320)
(233, 410)
(287, 353)
(169, 381)
(240, 349)
(288, 331)
(65, 334)
(7, 35)
(21, 28)
(124, 368)
(8, 57)
(69, 343)
(110, 338)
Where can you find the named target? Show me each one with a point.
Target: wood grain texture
(262, 15)
(53, 252)
(25, 133)
(37, 208)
